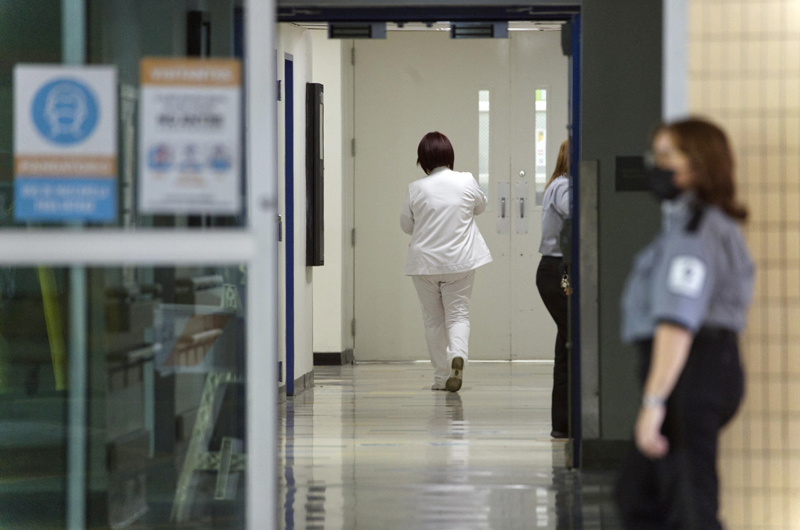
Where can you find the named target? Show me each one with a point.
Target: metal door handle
(503, 207)
(522, 208)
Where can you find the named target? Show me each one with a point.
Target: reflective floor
(372, 447)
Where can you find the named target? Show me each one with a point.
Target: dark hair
(435, 150)
(710, 156)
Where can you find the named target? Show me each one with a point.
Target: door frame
(532, 12)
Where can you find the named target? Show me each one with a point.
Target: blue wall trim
(289, 193)
(574, 162)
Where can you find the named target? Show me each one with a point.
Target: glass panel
(166, 397)
(483, 141)
(541, 144)
(120, 34)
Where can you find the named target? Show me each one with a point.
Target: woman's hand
(649, 440)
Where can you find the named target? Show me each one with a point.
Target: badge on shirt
(687, 276)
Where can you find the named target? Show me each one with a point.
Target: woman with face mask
(684, 304)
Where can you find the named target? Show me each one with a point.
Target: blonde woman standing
(555, 209)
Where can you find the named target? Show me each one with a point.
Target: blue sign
(59, 199)
(65, 111)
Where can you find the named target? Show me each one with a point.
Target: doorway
(504, 105)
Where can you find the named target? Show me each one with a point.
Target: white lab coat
(439, 214)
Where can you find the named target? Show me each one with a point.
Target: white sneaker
(453, 383)
(437, 386)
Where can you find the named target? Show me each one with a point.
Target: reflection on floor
(372, 447)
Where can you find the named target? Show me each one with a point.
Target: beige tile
(752, 96)
(696, 18)
(793, 354)
(773, 13)
(791, 52)
(774, 199)
(793, 463)
(792, 18)
(697, 96)
(792, 241)
(792, 126)
(776, 397)
(714, 103)
(792, 197)
(794, 397)
(753, 10)
(716, 56)
(757, 508)
(775, 251)
(775, 364)
(733, 12)
(756, 444)
(697, 57)
(774, 172)
(794, 508)
(776, 507)
(778, 477)
(734, 60)
(713, 19)
(793, 283)
(776, 312)
(734, 435)
(793, 320)
(734, 513)
(773, 126)
(773, 59)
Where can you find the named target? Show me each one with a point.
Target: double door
(503, 104)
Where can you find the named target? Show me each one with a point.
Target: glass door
(126, 330)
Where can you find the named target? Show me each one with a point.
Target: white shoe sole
(453, 383)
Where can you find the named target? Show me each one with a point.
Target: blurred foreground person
(446, 247)
(684, 304)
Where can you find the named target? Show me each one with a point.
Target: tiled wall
(745, 74)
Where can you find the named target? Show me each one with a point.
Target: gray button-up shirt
(555, 208)
(689, 278)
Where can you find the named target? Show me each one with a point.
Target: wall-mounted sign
(65, 143)
(190, 136)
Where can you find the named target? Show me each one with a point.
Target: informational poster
(190, 136)
(541, 148)
(65, 143)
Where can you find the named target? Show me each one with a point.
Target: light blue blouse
(555, 208)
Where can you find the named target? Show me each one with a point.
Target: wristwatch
(653, 401)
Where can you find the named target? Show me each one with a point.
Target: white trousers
(445, 311)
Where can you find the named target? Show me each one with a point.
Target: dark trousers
(681, 491)
(548, 280)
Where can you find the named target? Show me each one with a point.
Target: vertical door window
(483, 141)
(541, 143)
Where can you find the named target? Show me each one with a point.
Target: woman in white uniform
(446, 247)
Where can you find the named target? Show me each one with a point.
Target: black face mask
(661, 184)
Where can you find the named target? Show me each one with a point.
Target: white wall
(296, 42)
(326, 68)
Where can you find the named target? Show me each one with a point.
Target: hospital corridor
(373, 447)
(399, 265)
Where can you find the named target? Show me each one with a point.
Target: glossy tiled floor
(373, 448)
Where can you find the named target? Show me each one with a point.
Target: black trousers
(548, 280)
(681, 491)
